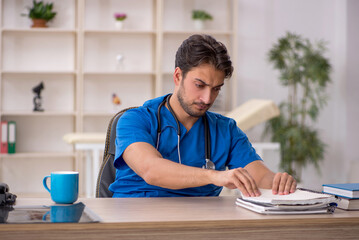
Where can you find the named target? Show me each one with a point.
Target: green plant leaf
(41, 10)
(201, 15)
(305, 71)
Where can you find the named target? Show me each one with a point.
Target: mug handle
(45, 185)
(45, 215)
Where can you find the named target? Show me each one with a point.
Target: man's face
(197, 92)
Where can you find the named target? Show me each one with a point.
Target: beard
(189, 108)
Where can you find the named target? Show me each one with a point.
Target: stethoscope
(208, 164)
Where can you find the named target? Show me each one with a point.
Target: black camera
(6, 198)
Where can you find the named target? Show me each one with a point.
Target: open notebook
(299, 202)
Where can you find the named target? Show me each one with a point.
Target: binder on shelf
(3, 140)
(11, 137)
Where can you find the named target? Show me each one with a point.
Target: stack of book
(300, 202)
(347, 193)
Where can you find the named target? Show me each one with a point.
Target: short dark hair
(203, 49)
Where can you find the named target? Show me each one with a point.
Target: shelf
(124, 31)
(100, 14)
(101, 53)
(38, 114)
(38, 30)
(127, 73)
(191, 32)
(55, 72)
(100, 114)
(126, 87)
(38, 52)
(48, 155)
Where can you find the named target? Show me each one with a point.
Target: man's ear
(177, 76)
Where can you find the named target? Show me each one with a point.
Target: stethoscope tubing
(178, 130)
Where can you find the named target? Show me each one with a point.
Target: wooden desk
(186, 218)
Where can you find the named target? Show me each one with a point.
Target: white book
(348, 204)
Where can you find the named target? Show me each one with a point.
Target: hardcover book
(348, 203)
(348, 190)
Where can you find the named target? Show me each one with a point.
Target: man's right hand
(237, 178)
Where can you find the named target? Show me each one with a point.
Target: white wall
(352, 90)
(261, 23)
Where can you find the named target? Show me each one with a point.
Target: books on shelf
(8, 137)
(300, 202)
(347, 190)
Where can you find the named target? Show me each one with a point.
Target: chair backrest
(107, 173)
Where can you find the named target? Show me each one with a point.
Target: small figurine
(116, 101)
(37, 99)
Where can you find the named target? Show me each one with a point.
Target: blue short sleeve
(133, 126)
(241, 152)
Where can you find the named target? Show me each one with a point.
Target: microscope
(37, 99)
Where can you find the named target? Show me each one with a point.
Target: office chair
(107, 173)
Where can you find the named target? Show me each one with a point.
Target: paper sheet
(298, 197)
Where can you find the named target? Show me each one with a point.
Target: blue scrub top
(229, 148)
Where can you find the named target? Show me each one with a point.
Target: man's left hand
(283, 184)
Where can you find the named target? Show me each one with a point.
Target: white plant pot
(119, 25)
(198, 24)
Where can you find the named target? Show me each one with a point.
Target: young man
(172, 145)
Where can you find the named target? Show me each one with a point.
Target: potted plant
(120, 17)
(40, 13)
(199, 16)
(305, 72)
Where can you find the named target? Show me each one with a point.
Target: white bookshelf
(35, 155)
(76, 58)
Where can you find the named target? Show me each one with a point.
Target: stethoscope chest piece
(209, 165)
